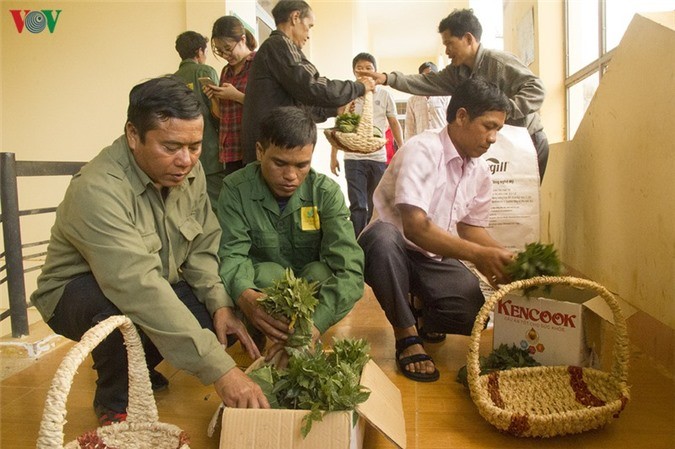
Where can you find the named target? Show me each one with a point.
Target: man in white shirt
(431, 210)
(424, 112)
(364, 171)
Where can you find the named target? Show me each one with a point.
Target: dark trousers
(82, 306)
(540, 142)
(362, 178)
(450, 293)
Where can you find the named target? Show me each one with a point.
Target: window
(594, 29)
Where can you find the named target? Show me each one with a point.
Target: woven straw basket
(141, 430)
(362, 141)
(546, 401)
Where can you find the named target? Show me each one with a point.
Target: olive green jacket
(114, 223)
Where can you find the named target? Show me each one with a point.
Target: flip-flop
(401, 345)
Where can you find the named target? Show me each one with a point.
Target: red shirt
(231, 113)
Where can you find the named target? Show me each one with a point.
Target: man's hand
(277, 355)
(378, 78)
(226, 323)
(334, 163)
(276, 330)
(368, 82)
(237, 390)
(492, 262)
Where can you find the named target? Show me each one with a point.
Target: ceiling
(406, 28)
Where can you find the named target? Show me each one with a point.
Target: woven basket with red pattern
(546, 401)
(141, 430)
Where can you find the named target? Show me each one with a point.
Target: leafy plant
(293, 298)
(502, 358)
(316, 380)
(347, 122)
(537, 259)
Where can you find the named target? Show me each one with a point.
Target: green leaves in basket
(347, 122)
(502, 358)
(293, 298)
(538, 259)
(317, 381)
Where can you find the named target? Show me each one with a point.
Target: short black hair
(287, 127)
(189, 43)
(160, 99)
(364, 57)
(460, 22)
(282, 11)
(477, 96)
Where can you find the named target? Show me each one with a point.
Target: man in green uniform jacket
(278, 213)
(135, 235)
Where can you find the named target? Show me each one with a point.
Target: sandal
(406, 342)
(429, 337)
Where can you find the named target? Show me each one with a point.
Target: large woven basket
(141, 430)
(361, 141)
(546, 401)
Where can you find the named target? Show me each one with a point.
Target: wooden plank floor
(438, 415)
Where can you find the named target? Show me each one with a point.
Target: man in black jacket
(281, 75)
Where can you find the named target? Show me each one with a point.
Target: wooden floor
(438, 415)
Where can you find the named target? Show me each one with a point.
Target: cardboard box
(568, 326)
(280, 429)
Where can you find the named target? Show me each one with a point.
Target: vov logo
(35, 21)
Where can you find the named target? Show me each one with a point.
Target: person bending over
(135, 235)
(431, 210)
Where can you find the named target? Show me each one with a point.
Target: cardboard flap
(384, 408)
(599, 306)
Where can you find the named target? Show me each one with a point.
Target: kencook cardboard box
(568, 326)
(280, 429)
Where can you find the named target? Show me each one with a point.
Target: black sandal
(429, 337)
(406, 342)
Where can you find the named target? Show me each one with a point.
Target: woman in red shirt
(234, 43)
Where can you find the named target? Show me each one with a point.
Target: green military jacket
(190, 72)
(114, 223)
(314, 226)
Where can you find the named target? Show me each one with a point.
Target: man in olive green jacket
(135, 235)
(278, 213)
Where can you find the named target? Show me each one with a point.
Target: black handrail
(10, 169)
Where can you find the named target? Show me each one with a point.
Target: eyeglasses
(222, 51)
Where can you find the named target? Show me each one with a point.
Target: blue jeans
(362, 178)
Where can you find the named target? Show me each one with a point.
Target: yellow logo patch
(309, 218)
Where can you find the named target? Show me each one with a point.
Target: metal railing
(13, 256)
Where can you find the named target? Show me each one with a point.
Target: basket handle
(620, 351)
(141, 408)
(365, 128)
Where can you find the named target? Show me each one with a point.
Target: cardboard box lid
(279, 428)
(600, 307)
(384, 408)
